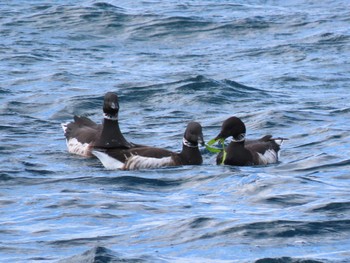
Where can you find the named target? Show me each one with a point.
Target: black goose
(151, 157)
(241, 152)
(83, 135)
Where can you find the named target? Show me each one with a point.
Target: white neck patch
(188, 144)
(240, 138)
(109, 117)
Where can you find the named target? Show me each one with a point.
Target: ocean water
(281, 66)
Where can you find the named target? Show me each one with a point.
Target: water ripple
(282, 68)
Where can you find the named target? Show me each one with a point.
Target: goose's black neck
(111, 136)
(190, 154)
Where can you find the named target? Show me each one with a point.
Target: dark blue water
(282, 66)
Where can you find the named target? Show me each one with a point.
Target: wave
(71, 18)
(283, 229)
(251, 23)
(324, 166)
(101, 255)
(4, 177)
(332, 38)
(205, 89)
(136, 182)
(288, 260)
(105, 19)
(159, 27)
(333, 208)
(287, 200)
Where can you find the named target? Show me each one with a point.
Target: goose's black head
(194, 134)
(234, 127)
(111, 105)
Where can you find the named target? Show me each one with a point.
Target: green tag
(212, 149)
(223, 152)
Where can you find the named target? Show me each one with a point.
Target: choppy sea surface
(281, 66)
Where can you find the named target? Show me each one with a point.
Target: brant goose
(241, 152)
(82, 135)
(151, 157)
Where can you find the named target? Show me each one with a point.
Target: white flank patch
(135, 162)
(108, 162)
(270, 156)
(76, 147)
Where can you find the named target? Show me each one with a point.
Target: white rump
(108, 162)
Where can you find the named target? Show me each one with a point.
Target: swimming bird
(241, 152)
(83, 135)
(151, 157)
